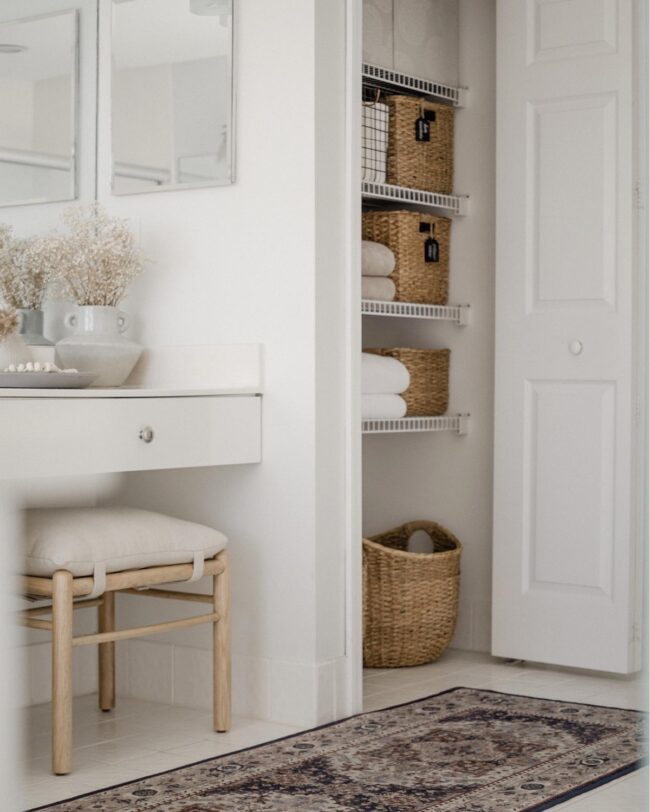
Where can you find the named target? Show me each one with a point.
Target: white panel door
(564, 531)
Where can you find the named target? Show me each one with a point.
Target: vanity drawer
(57, 436)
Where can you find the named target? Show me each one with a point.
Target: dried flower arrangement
(98, 259)
(27, 268)
(9, 323)
(5, 234)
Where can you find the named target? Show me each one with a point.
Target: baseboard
(473, 626)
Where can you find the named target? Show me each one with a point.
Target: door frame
(642, 331)
(354, 505)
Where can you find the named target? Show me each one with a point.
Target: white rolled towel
(379, 288)
(381, 375)
(376, 259)
(382, 407)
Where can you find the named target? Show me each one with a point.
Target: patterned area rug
(464, 750)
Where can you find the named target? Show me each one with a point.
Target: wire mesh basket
(406, 141)
(374, 139)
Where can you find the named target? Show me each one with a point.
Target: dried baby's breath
(98, 258)
(5, 234)
(9, 322)
(27, 267)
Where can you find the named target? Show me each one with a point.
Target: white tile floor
(140, 738)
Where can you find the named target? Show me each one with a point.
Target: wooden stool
(93, 553)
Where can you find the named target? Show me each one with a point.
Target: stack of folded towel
(377, 263)
(383, 379)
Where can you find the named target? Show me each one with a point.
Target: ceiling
(145, 32)
(154, 32)
(50, 42)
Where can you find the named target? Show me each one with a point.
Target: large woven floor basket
(427, 165)
(416, 278)
(428, 392)
(410, 600)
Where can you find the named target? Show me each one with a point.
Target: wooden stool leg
(221, 647)
(106, 623)
(61, 672)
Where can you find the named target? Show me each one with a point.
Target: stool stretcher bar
(143, 631)
(170, 594)
(46, 610)
(36, 623)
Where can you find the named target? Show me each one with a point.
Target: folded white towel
(382, 406)
(377, 287)
(376, 259)
(381, 375)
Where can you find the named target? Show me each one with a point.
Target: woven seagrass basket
(410, 600)
(428, 392)
(427, 165)
(405, 233)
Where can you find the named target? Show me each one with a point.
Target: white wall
(439, 476)
(262, 261)
(418, 37)
(259, 261)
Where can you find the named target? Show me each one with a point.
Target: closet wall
(443, 476)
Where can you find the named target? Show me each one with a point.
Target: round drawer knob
(575, 347)
(146, 434)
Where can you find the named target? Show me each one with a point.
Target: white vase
(31, 328)
(13, 350)
(98, 345)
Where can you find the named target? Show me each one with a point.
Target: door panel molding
(571, 29)
(569, 487)
(572, 224)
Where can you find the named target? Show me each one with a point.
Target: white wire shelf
(409, 425)
(459, 314)
(453, 204)
(393, 80)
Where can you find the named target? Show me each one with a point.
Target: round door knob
(146, 434)
(575, 347)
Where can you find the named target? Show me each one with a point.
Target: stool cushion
(121, 538)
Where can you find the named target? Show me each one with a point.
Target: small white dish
(46, 380)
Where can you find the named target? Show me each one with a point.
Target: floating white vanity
(183, 408)
(47, 432)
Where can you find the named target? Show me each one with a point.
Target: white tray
(46, 380)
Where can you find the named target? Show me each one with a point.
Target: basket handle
(431, 106)
(375, 101)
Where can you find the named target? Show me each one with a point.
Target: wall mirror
(38, 109)
(171, 108)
